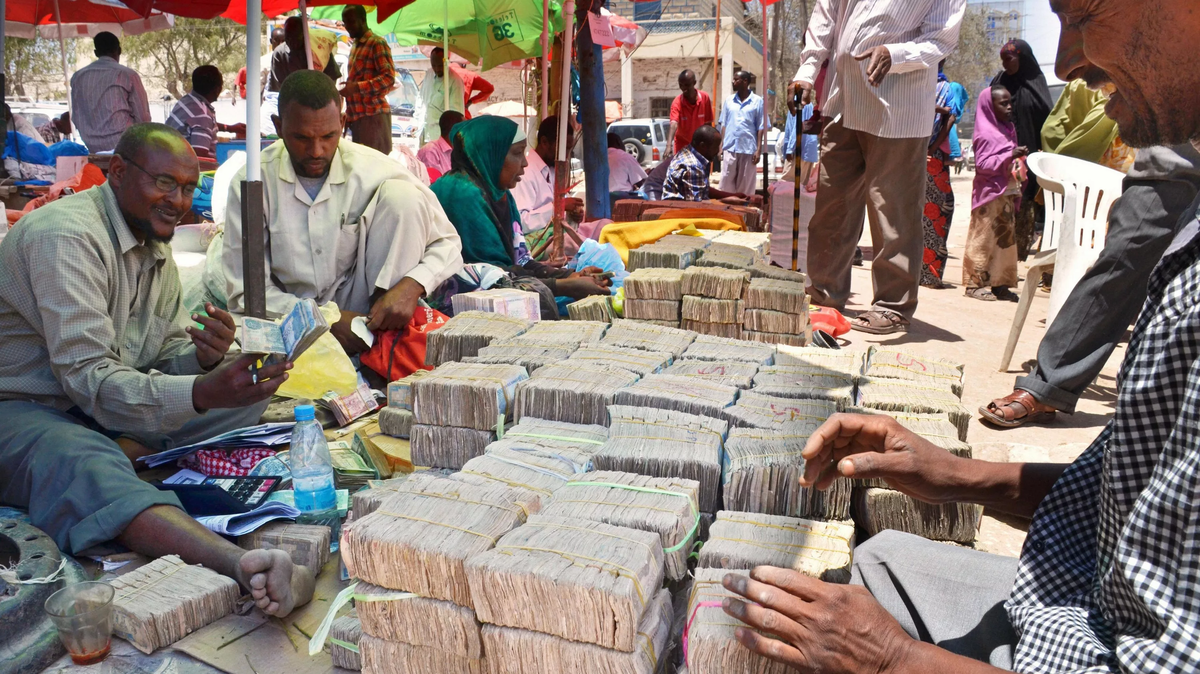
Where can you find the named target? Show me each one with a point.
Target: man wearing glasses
(96, 370)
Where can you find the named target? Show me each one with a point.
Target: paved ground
(949, 325)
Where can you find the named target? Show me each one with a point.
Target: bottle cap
(305, 413)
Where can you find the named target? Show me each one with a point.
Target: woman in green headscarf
(487, 160)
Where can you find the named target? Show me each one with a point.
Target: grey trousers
(1157, 192)
(941, 594)
(887, 176)
(77, 484)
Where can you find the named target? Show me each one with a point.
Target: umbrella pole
(307, 40)
(62, 47)
(562, 167)
(716, 57)
(545, 57)
(446, 74)
(254, 273)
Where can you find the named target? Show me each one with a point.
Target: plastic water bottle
(312, 468)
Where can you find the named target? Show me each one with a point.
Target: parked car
(38, 113)
(404, 101)
(645, 138)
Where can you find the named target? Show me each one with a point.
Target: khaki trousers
(374, 132)
(887, 175)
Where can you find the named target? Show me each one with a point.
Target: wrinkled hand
(351, 343)
(232, 384)
(213, 342)
(394, 310)
(580, 287)
(866, 446)
(824, 627)
(879, 66)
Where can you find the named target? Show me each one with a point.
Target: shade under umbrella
(29, 18)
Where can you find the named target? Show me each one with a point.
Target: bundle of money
(579, 390)
(469, 395)
(709, 643)
(722, 330)
(661, 443)
(306, 544)
(344, 633)
(765, 320)
(504, 301)
(467, 333)
(763, 411)
(396, 422)
(651, 321)
(672, 254)
(380, 656)
(400, 391)
(779, 338)
(597, 308)
(366, 501)
(698, 242)
(707, 347)
(762, 475)
(901, 395)
(730, 372)
(654, 284)
(652, 310)
(358, 403)
(568, 441)
(797, 381)
(758, 243)
(637, 361)
(164, 601)
(708, 310)
(579, 580)
(418, 539)
(715, 282)
(764, 293)
(637, 335)
(745, 256)
(288, 338)
(418, 621)
(668, 507)
(877, 509)
(516, 650)
(680, 394)
(894, 364)
(528, 352)
(447, 446)
(831, 360)
(540, 474)
(740, 540)
(568, 332)
(767, 270)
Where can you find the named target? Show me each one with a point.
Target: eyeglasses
(165, 184)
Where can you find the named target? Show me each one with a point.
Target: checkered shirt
(374, 74)
(687, 179)
(1109, 579)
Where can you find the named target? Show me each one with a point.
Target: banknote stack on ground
(730, 372)
(597, 308)
(777, 312)
(885, 363)
(467, 333)
(654, 294)
(738, 540)
(762, 473)
(579, 391)
(712, 300)
(504, 301)
(459, 409)
(162, 602)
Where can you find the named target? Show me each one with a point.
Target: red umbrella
(236, 10)
(41, 12)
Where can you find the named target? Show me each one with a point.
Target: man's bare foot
(277, 585)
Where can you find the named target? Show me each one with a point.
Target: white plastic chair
(1079, 196)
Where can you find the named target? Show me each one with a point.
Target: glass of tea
(83, 615)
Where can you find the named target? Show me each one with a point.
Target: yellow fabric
(1078, 127)
(627, 235)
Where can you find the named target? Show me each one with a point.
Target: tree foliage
(789, 21)
(191, 43)
(34, 64)
(975, 62)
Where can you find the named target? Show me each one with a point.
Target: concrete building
(1029, 20)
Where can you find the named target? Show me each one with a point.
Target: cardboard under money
(631, 359)
(567, 332)
(899, 395)
(635, 335)
(345, 630)
(306, 544)
(877, 509)
(723, 330)
(654, 284)
(740, 540)
(505, 301)
(662, 443)
(715, 282)
(162, 602)
(418, 540)
(467, 333)
(638, 502)
(709, 642)
(730, 372)
(520, 651)
(468, 395)
(396, 422)
(765, 320)
(762, 475)
(764, 411)
(380, 656)
(790, 381)
(707, 347)
(652, 310)
(400, 391)
(578, 391)
(680, 394)
(597, 308)
(779, 338)
(579, 580)
(447, 446)
(401, 616)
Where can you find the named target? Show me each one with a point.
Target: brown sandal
(877, 322)
(1016, 409)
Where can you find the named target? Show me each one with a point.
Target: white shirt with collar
(534, 194)
(314, 245)
(624, 172)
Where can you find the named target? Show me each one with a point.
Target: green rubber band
(557, 437)
(499, 426)
(391, 596)
(650, 490)
(344, 644)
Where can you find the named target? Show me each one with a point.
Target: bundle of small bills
(469, 395)
(746, 256)
(709, 643)
(652, 321)
(306, 544)
(757, 242)
(527, 652)
(467, 333)
(711, 348)
(779, 338)
(768, 270)
(447, 446)
(505, 301)
(722, 330)
(765, 320)
(528, 352)
(579, 580)
(715, 282)
(680, 394)
(739, 261)
(635, 360)
(344, 633)
(709, 310)
(520, 470)
(901, 395)
(635, 335)
(831, 360)
(396, 422)
(876, 509)
(762, 475)
(652, 310)
(556, 439)
(164, 601)
(288, 338)
(403, 617)
(739, 540)
(418, 539)
(763, 411)
(661, 443)
(667, 254)
(765, 293)
(579, 390)
(597, 308)
(358, 403)
(380, 656)
(730, 372)
(366, 501)
(400, 391)
(654, 284)
(567, 332)
(894, 364)
(792, 381)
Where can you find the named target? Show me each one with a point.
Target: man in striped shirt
(107, 97)
(194, 117)
(372, 75)
(878, 103)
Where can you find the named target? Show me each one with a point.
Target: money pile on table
(596, 308)
(577, 391)
(479, 397)
(680, 394)
(504, 301)
(164, 601)
(730, 372)
(634, 335)
(738, 540)
(467, 333)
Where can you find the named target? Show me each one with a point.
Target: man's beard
(143, 225)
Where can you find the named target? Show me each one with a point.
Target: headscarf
(1030, 95)
(993, 143)
(481, 211)
(1078, 126)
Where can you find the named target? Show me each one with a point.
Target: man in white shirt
(344, 222)
(625, 174)
(436, 153)
(433, 96)
(878, 105)
(107, 97)
(535, 193)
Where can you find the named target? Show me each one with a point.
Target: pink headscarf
(993, 144)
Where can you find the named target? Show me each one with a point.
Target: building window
(660, 106)
(647, 11)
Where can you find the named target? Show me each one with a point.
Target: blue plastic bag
(68, 148)
(28, 150)
(602, 255)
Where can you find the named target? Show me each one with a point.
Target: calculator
(224, 494)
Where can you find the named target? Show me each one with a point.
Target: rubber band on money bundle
(572, 557)
(650, 490)
(536, 469)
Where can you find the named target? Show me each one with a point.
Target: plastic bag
(323, 367)
(604, 256)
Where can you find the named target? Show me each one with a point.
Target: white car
(38, 113)
(645, 139)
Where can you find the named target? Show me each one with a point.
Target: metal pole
(254, 273)
(446, 74)
(716, 56)
(562, 167)
(545, 57)
(307, 37)
(62, 47)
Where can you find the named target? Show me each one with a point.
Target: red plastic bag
(399, 353)
(828, 320)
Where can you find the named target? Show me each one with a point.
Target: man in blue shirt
(810, 144)
(741, 123)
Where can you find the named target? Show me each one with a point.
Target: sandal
(877, 322)
(1016, 409)
(980, 294)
